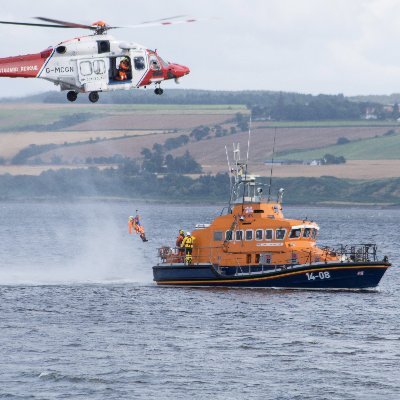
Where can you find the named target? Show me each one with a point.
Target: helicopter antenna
(272, 167)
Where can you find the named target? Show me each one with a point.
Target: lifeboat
(252, 244)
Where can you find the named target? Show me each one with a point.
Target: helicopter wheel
(158, 91)
(93, 97)
(72, 96)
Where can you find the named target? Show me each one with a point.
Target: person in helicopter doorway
(178, 244)
(187, 244)
(123, 70)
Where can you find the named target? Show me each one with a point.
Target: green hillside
(378, 148)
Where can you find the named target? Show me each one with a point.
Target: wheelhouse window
(139, 63)
(239, 235)
(99, 67)
(218, 236)
(307, 233)
(249, 234)
(228, 235)
(269, 234)
(314, 233)
(295, 233)
(259, 234)
(86, 68)
(280, 234)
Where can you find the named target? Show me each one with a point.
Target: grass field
(12, 143)
(325, 124)
(133, 127)
(379, 148)
(20, 117)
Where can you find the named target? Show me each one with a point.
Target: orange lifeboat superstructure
(252, 244)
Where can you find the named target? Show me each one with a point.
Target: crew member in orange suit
(123, 70)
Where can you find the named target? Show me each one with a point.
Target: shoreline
(188, 202)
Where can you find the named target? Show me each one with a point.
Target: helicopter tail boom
(25, 66)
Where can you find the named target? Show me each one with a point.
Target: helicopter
(95, 63)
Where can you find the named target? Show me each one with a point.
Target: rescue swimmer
(134, 225)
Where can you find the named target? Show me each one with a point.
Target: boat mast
(247, 162)
(230, 179)
(272, 167)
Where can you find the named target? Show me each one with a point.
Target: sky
(306, 46)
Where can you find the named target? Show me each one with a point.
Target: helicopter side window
(155, 66)
(103, 46)
(139, 63)
(86, 68)
(280, 234)
(99, 67)
(164, 63)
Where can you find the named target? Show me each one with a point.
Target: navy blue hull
(320, 276)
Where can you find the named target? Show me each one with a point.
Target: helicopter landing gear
(158, 91)
(93, 97)
(72, 96)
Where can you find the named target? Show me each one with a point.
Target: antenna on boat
(230, 177)
(272, 167)
(247, 161)
(248, 142)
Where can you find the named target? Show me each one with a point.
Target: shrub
(343, 140)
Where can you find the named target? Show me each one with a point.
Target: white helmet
(187, 233)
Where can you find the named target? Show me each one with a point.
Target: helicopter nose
(179, 70)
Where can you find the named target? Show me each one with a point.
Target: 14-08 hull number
(311, 276)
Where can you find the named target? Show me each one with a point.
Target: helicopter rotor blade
(102, 26)
(180, 19)
(164, 19)
(32, 24)
(65, 23)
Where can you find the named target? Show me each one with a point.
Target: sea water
(80, 317)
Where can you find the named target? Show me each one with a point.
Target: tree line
(125, 183)
(281, 106)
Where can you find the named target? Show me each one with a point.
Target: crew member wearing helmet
(178, 244)
(123, 69)
(187, 244)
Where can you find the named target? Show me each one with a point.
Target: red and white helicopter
(95, 63)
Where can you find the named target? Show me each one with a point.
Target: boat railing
(364, 252)
(209, 255)
(173, 255)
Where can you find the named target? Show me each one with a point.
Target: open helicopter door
(133, 76)
(93, 74)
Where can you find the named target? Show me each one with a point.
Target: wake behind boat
(252, 244)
